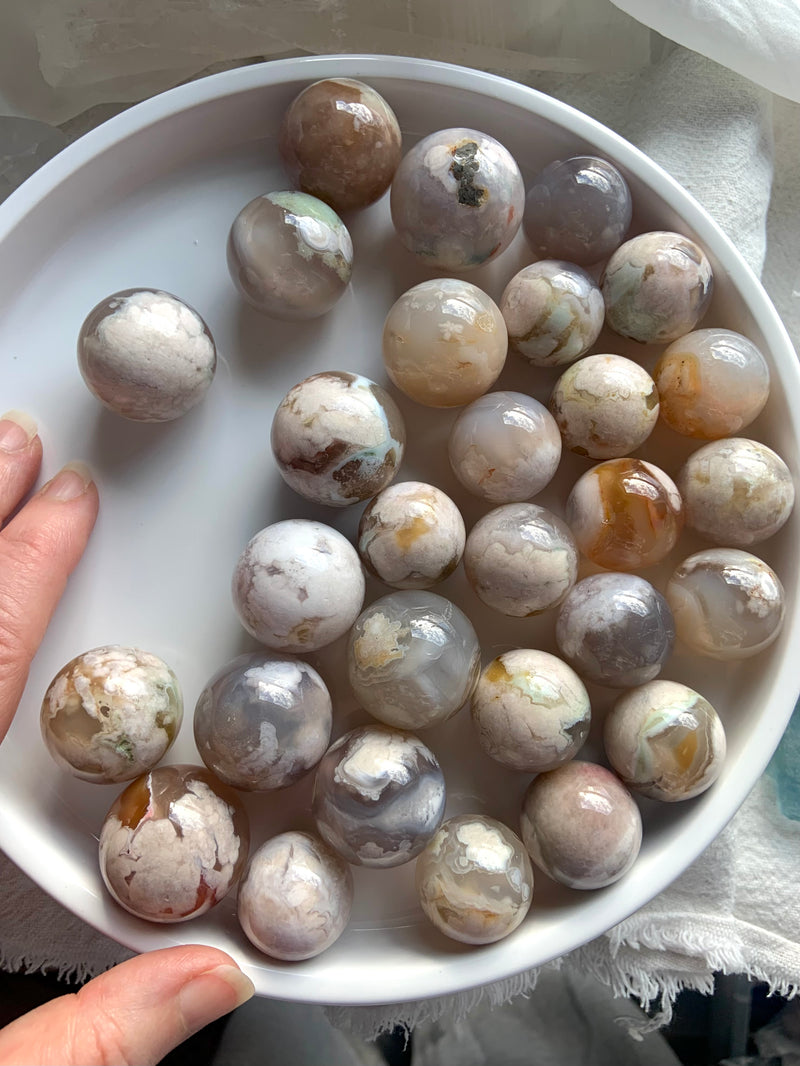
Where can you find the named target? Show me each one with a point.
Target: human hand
(140, 1010)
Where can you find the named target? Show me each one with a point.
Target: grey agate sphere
(263, 721)
(379, 796)
(615, 629)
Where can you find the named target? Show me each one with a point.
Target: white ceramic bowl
(147, 200)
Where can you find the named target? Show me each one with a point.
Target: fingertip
(72, 481)
(212, 994)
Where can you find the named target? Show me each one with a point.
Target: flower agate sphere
(411, 535)
(474, 879)
(615, 629)
(736, 492)
(504, 447)
(605, 406)
(263, 721)
(712, 383)
(577, 209)
(521, 559)
(413, 659)
(665, 740)
(444, 342)
(656, 287)
(728, 604)
(295, 897)
(457, 199)
(581, 825)
(531, 710)
(625, 514)
(340, 141)
(298, 585)
(290, 255)
(338, 438)
(379, 796)
(173, 844)
(146, 355)
(111, 714)
(553, 312)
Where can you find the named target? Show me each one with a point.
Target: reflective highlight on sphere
(263, 721)
(146, 355)
(411, 536)
(173, 844)
(656, 287)
(553, 312)
(521, 559)
(736, 492)
(605, 406)
(290, 255)
(444, 342)
(413, 659)
(379, 796)
(728, 604)
(295, 897)
(340, 141)
(531, 710)
(338, 438)
(712, 383)
(298, 585)
(665, 740)
(615, 629)
(577, 209)
(457, 199)
(581, 825)
(111, 714)
(625, 514)
(474, 879)
(504, 447)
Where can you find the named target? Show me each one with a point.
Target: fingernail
(69, 483)
(17, 430)
(213, 994)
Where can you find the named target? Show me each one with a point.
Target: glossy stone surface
(457, 199)
(295, 897)
(298, 585)
(340, 141)
(656, 287)
(413, 659)
(531, 710)
(553, 312)
(504, 447)
(411, 535)
(111, 714)
(263, 721)
(737, 492)
(474, 879)
(665, 740)
(712, 383)
(581, 825)
(521, 559)
(605, 406)
(727, 603)
(444, 342)
(379, 796)
(146, 355)
(338, 438)
(615, 629)
(577, 209)
(173, 844)
(290, 255)
(625, 514)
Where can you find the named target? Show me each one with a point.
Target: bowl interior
(147, 200)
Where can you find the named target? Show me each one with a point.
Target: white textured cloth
(735, 147)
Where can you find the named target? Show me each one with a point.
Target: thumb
(133, 1014)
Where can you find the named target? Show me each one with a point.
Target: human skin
(143, 1008)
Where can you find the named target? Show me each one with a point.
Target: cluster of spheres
(176, 840)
